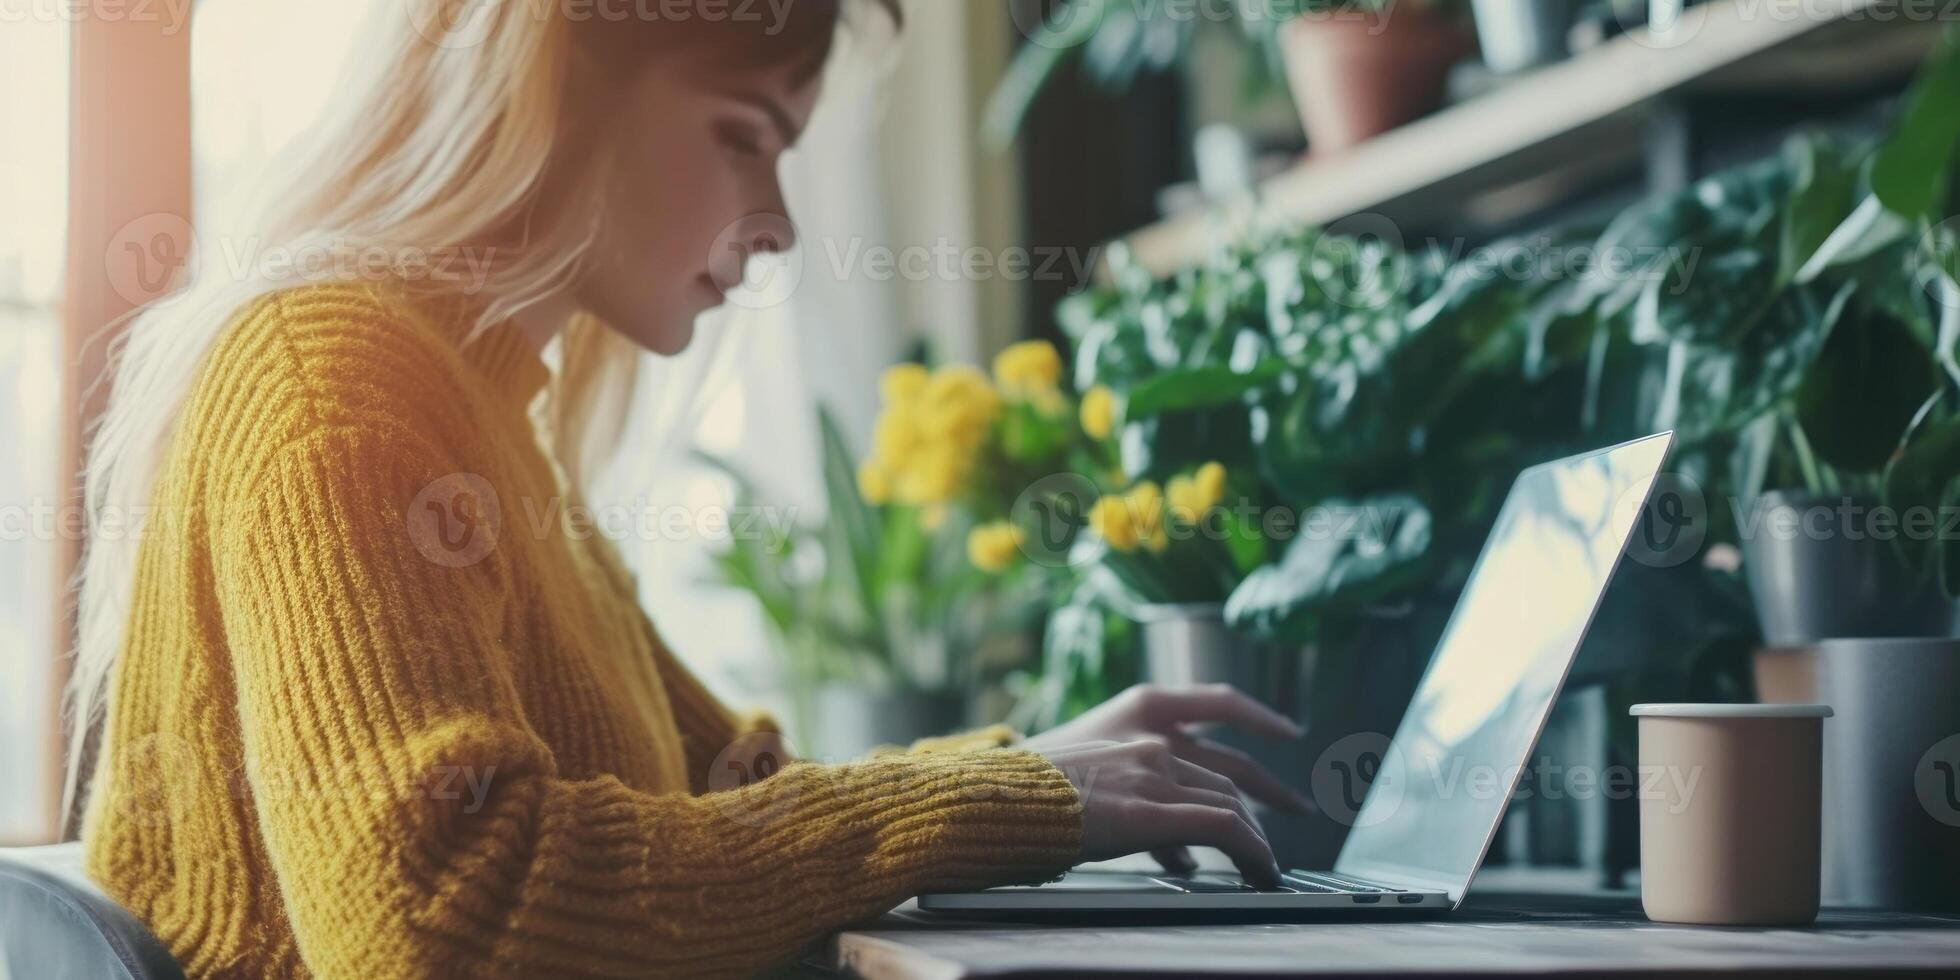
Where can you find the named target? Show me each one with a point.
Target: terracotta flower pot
(1358, 74)
(1786, 675)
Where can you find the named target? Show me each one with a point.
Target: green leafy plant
(1115, 41)
(1795, 321)
(869, 595)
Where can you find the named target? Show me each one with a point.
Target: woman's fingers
(1221, 787)
(1176, 860)
(1207, 787)
(1192, 784)
(1170, 709)
(1148, 799)
(1215, 826)
(1256, 780)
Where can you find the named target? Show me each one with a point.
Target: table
(1496, 932)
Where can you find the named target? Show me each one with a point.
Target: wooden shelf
(1582, 115)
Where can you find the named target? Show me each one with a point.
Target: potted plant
(1356, 68)
(1359, 68)
(930, 548)
(882, 621)
(1820, 331)
(1178, 552)
(1794, 320)
(1519, 34)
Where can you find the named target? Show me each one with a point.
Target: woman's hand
(1167, 714)
(1137, 796)
(1156, 720)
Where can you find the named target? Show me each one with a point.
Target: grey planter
(1185, 645)
(1818, 573)
(1520, 34)
(1892, 773)
(1346, 698)
(848, 721)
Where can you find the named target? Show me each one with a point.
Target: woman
(358, 716)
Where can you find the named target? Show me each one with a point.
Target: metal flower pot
(1818, 571)
(1520, 34)
(1892, 772)
(1187, 645)
(1348, 700)
(846, 720)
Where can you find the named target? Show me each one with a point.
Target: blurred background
(1160, 340)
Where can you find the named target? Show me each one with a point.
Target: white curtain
(33, 222)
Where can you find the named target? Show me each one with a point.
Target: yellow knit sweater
(377, 717)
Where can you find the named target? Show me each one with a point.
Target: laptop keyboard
(1291, 882)
(1347, 884)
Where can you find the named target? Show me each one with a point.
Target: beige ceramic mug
(1730, 800)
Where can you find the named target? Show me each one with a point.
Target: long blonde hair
(459, 120)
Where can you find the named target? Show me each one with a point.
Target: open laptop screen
(1441, 786)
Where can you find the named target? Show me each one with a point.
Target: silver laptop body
(1430, 813)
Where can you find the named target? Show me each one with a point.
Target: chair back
(55, 924)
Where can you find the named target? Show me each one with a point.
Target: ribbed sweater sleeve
(707, 726)
(419, 826)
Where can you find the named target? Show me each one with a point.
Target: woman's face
(695, 192)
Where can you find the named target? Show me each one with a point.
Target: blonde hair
(447, 145)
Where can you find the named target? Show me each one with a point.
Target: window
(33, 219)
(263, 72)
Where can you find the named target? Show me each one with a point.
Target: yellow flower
(933, 475)
(993, 547)
(1099, 412)
(1028, 371)
(901, 383)
(927, 442)
(1146, 504)
(1132, 520)
(1192, 497)
(874, 484)
(895, 436)
(1110, 519)
(958, 399)
(1210, 481)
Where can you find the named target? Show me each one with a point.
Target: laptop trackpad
(1095, 881)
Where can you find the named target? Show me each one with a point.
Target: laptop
(1439, 789)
